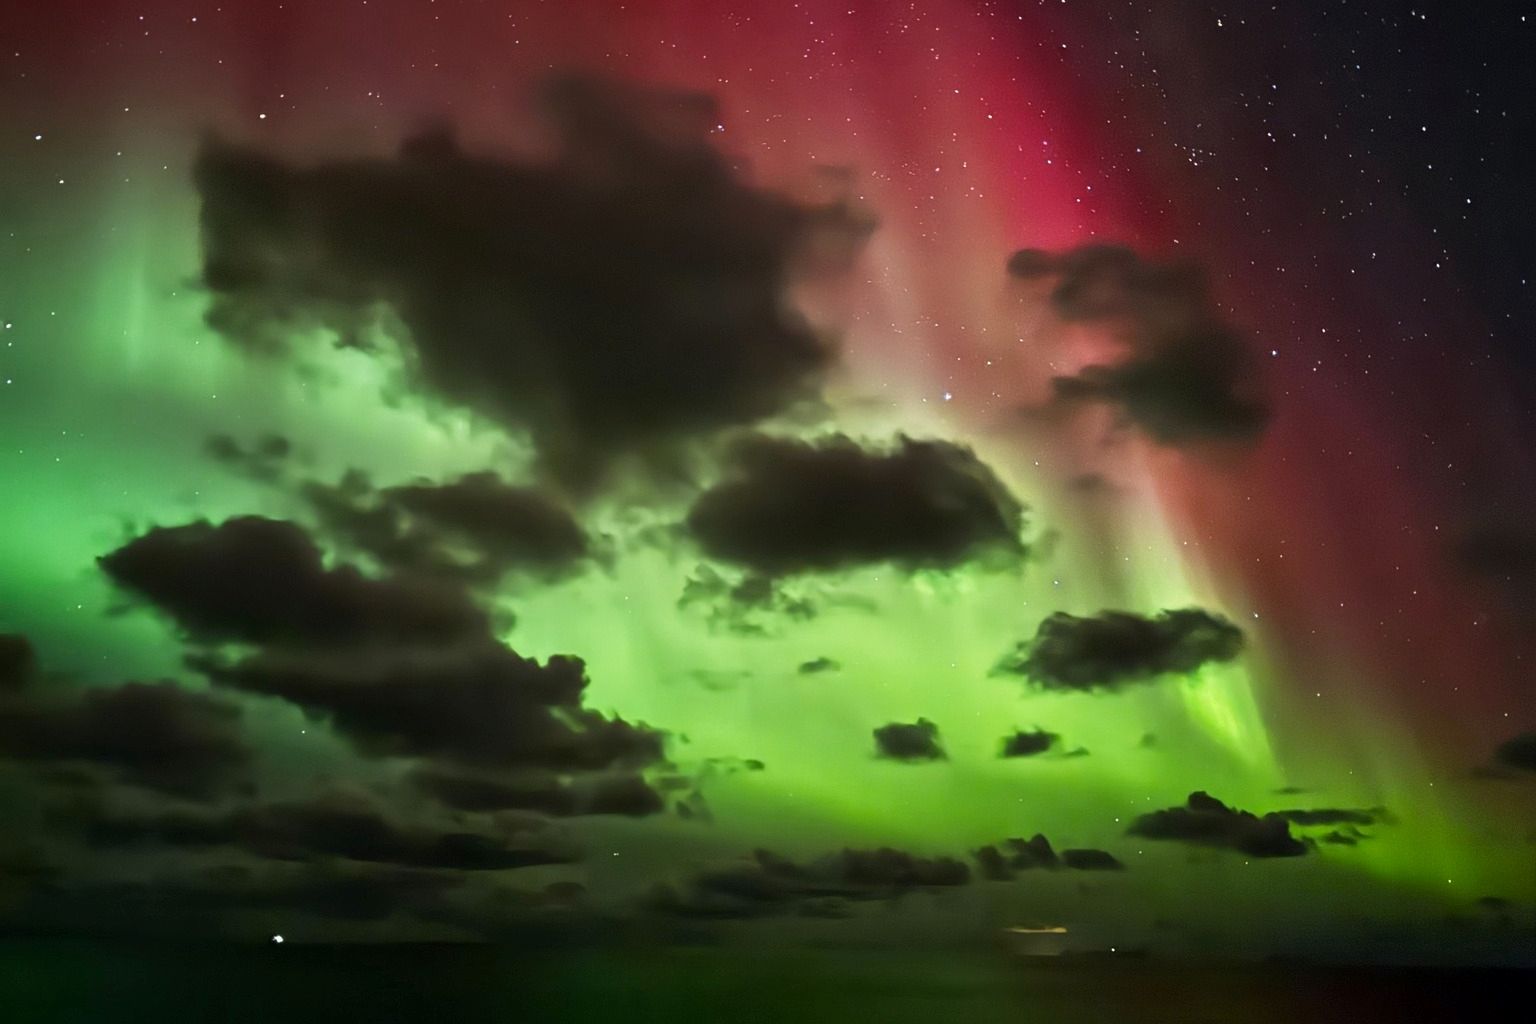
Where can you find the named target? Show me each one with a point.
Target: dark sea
(42, 982)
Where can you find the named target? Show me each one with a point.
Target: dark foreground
(56, 981)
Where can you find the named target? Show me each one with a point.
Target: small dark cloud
(909, 741)
(1324, 816)
(1187, 375)
(263, 460)
(751, 605)
(769, 884)
(477, 527)
(265, 581)
(1090, 860)
(482, 705)
(625, 293)
(18, 661)
(1206, 821)
(1113, 649)
(1026, 743)
(329, 826)
(791, 506)
(1519, 752)
(619, 794)
(819, 666)
(155, 735)
(1504, 555)
(1000, 861)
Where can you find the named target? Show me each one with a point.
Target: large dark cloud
(155, 735)
(265, 581)
(627, 291)
(328, 826)
(768, 884)
(626, 794)
(482, 704)
(999, 861)
(1114, 648)
(1206, 821)
(477, 527)
(795, 506)
(909, 741)
(1518, 752)
(1187, 375)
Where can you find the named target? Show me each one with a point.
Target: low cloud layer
(767, 884)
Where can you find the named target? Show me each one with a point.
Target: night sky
(812, 472)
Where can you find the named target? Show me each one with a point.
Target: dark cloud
(339, 826)
(1112, 649)
(263, 460)
(626, 292)
(18, 661)
(819, 666)
(909, 741)
(154, 735)
(1324, 816)
(791, 506)
(265, 581)
(768, 884)
(205, 901)
(1025, 743)
(1518, 752)
(999, 861)
(477, 527)
(753, 605)
(1090, 860)
(482, 704)
(622, 794)
(1206, 821)
(1504, 555)
(1187, 375)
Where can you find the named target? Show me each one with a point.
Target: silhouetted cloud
(1025, 743)
(909, 741)
(155, 735)
(476, 527)
(1518, 752)
(264, 459)
(1113, 649)
(1187, 375)
(482, 704)
(768, 884)
(1315, 816)
(18, 661)
(1206, 821)
(265, 581)
(626, 292)
(790, 506)
(1000, 861)
(621, 794)
(753, 605)
(819, 666)
(327, 826)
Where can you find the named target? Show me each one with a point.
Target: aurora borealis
(817, 472)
